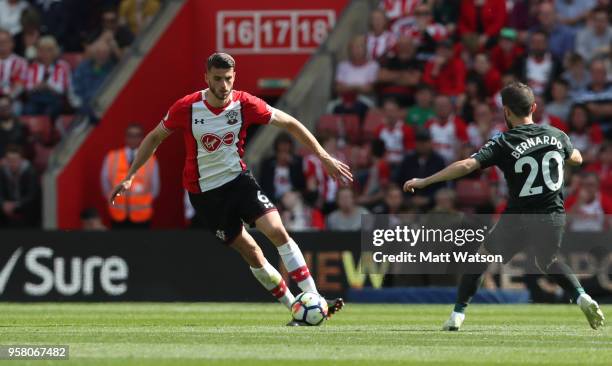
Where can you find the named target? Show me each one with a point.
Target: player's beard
(219, 96)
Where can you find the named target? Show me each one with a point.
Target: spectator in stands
(422, 28)
(117, 36)
(393, 202)
(26, 41)
(423, 162)
(589, 209)
(574, 12)
(603, 167)
(538, 66)
(444, 202)
(399, 72)
(598, 95)
(91, 221)
(282, 172)
(10, 14)
(380, 39)
(48, 81)
(523, 17)
(297, 216)
(560, 37)
(91, 73)
(560, 103)
(397, 135)
(507, 50)
(134, 209)
(14, 68)
(355, 80)
(348, 215)
(483, 17)
(483, 127)
(19, 191)
(585, 134)
(490, 76)
(446, 12)
(541, 117)
(475, 93)
(595, 38)
(395, 9)
(56, 17)
(320, 188)
(377, 177)
(576, 73)
(447, 130)
(137, 13)
(422, 110)
(445, 72)
(12, 132)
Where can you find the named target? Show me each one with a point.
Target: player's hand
(337, 169)
(120, 189)
(414, 183)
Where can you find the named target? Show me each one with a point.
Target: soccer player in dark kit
(221, 189)
(532, 158)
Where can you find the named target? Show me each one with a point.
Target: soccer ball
(310, 308)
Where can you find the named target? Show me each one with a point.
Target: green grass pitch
(254, 334)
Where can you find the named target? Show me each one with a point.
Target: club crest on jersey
(212, 142)
(232, 117)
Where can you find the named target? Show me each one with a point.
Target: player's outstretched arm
(334, 167)
(145, 151)
(456, 170)
(575, 159)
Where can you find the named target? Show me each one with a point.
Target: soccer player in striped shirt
(221, 189)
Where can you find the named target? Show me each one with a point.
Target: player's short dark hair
(519, 98)
(220, 60)
(133, 126)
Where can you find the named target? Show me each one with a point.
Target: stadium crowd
(418, 91)
(421, 89)
(54, 56)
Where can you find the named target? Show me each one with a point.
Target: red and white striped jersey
(13, 71)
(214, 137)
(407, 27)
(56, 75)
(379, 45)
(396, 9)
(447, 137)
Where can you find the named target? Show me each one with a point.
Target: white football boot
(454, 322)
(591, 310)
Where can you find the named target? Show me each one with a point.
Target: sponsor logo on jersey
(212, 142)
(197, 121)
(232, 117)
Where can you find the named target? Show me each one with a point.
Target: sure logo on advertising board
(50, 272)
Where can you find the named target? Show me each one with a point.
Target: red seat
(374, 119)
(39, 126)
(73, 59)
(340, 125)
(472, 192)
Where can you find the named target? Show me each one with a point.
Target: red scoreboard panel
(273, 31)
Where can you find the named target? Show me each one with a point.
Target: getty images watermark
(463, 243)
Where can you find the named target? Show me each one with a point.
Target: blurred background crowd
(418, 91)
(421, 90)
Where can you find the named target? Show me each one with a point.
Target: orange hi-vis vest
(137, 203)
